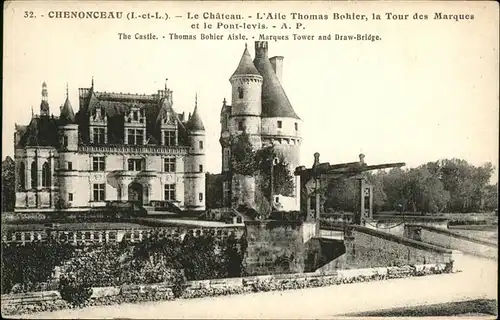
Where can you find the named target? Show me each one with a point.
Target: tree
(242, 155)
(379, 196)
(267, 159)
(8, 184)
(491, 197)
(342, 195)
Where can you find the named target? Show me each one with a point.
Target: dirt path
(477, 281)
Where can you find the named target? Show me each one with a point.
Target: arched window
(240, 92)
(46, 175)
(22, 176)
(34, 175)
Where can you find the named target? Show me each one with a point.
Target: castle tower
(243, 118)
(195, 163)
(261, 109)
(44, 105)
(68, 155)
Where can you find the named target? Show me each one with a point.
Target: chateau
(261, 109)
(117, 147)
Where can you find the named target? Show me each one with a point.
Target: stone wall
(51, 300)
(274, 247)
(454, 241)
(370, 248)
(321, 254)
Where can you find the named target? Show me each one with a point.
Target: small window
(169, 192)
(99, 192)
(70, 197)
(277, 199)
(201, 145)
(135, 164)
(65, 141)
(201, 168)
(70, 165)
(296, 126)
(240, 125)
(240, 92)
(280, 124)
(98, 163)
(135, 116)
(169, 164)
(200, 196)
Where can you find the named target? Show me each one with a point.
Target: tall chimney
(277, 63)
(261, 49)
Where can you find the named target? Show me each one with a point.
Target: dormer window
(280, 124)
(240, 125)
(296, 126)
(135, 136)
(240, 92)
(135, 116)
(98, 135)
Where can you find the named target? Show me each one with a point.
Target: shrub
(73, 291)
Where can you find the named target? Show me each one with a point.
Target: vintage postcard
(250, 159)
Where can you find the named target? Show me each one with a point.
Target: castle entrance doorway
(135, 192)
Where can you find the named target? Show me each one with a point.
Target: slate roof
(67, 114)
(42, 131)
(246, 66)
(195, 123)
(275, 103)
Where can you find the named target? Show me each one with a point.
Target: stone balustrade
(79, 237)
(132, 149)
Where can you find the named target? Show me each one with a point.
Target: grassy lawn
(470, 308)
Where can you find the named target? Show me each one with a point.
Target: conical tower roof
(195, 123)
(67, 113)
(246, 66)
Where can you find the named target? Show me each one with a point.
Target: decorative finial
(246, 45)
(92, 81)
(45, 92)
(32, 113)
(316, 159)
(67, 91)
(224, 102)
(166, 79)
(196, 100)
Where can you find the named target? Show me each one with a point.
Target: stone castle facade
(261, 109)
(117, 147)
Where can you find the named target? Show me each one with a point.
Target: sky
(426, 91)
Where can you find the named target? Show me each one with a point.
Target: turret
(67, 173)
(246, 109)
(67, 128)
(195, 162)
